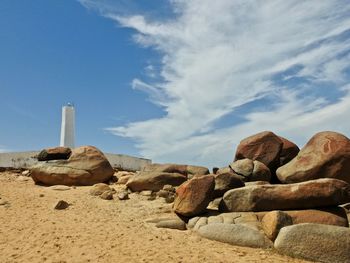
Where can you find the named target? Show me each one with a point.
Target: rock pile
(298, 216)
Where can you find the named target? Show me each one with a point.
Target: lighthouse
(68, 126)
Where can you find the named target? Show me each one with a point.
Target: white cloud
(219, 56)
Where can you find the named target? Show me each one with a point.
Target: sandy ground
(96, 230)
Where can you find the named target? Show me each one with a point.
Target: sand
(96, 230)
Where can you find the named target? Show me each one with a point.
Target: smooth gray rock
(322, 243)
(172, 224)
(235, 234)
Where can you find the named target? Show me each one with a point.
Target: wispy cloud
(277, 65)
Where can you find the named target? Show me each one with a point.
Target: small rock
(173, 224)
(99, 189)
(123, 195)
(170, 198)
(26, 173)
(169, 188)
(163, 193)
(61, 204)
(59, 187)
(146, 193)
(41, 195)
(108, 195)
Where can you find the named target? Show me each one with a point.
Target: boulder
(235, 234)
(310, 194)
(187, 170)
(55, 153)
(315, 242)
(273, 221)
(326, 155)
(328, 216)
(264, 147)
(243, 167)
(172, 224)
(225, 182)
(288, 152)
(193, 196)
(154, 181)
(85, 166)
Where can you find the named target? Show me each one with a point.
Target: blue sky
(174, 81)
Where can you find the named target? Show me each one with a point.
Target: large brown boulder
(315, 242)
(273, 221)
(193, 196)
(86, 166)
(326, 155)
(288, 152)
(54, 153)
(311, 194)
(264, 147)
(154, 180)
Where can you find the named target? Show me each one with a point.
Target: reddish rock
(250, 170)
(86, 166)
(264, 147)
(154, 181)
(288, 152)
(273, 221)
(310, 194)
(330, 216)
(55, 153)
(193, 196)
(326, 155)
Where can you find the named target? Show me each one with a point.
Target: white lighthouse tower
(68, 126)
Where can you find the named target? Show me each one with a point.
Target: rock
(60, 205)
(123, 176)
(225, 182)
(202, 221)
(169, 188)
(85, 166)
(264, 147)
(55, 153)
(256, 183)
(315, 242)
(243, 167)
(238, 235)
(146, 193)
(310, 194)
(193, 196)
(107, 195)
(170, 198)
(260, 172)
(26, 173)
(124, 179)
(99, 189)
(251, 170)
(59, 187)
(215, 219)
(326, 155)
(154, 180)
(214, 204)
(273, 221)
(123, 195)
(192, 222)
(328, 216)
(172, 224)
(288, 152)
(215, 169)
(187, 170)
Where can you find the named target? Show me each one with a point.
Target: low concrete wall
(28, 159)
